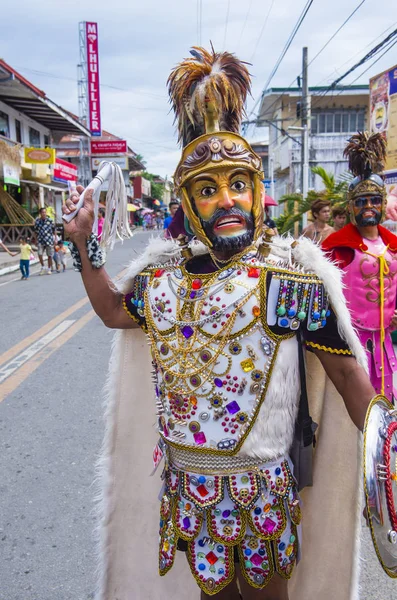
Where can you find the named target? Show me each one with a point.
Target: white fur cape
(128, 505)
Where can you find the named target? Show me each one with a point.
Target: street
(54, 354)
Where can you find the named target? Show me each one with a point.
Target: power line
(337, 31)
(113, 87)
(284, 51)
(289, 41)
(269, 111)
(245, 24)
(262, 30)
(226, 23)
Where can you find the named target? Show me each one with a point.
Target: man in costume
(366, 252)
(225, 317)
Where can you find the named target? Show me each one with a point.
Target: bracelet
(95, 253)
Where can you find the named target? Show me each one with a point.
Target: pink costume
(363, 293)
(370, 268)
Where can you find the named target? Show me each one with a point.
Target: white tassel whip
(116, 218)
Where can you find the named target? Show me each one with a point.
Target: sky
(140, 42)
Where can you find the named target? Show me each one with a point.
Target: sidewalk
(8, 263)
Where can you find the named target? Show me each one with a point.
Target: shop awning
(54, 188)
(24, 97)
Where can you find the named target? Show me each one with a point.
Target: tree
(296, 206)
(157, 188)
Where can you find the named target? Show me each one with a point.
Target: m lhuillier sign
(94, 107)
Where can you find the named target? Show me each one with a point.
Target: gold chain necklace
(219, 261)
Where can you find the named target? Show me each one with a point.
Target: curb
(15, 267)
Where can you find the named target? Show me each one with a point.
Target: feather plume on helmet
(207, 93)
(208, 86)
(366, 154)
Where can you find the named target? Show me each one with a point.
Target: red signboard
(64, 171)
(109, 147)
(94, 107)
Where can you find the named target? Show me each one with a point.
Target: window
(18, 131)
(343, 121)
(329, 123)
(34, 137)
(46, 141)
(4, 125)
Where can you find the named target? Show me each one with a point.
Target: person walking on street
(25, 249)
(101, 220)
(173, 206)
(319, 230)
(44, 228)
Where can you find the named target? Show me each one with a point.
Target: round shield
(380, 480)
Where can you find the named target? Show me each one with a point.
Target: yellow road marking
(20, 346)
(9, 354)
(12, 382)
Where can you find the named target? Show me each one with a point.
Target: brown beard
(238, 242)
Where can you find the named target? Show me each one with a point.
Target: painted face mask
(367, 210)
(222, 200)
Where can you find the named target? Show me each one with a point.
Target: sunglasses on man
(372, 200)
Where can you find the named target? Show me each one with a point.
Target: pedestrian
(101, 220)
(319, 230)
(225, 321)
(367, 254)
(6, 249)
(45, 229)
(24, 263)
(173, 207)
(339, 217)
(63, 251)
(57, 253)
(268, 222)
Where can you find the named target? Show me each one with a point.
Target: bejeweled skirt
(252, 514)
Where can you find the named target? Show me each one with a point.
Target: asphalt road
(50, 434)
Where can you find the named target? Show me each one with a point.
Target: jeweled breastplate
(213, 350)
(363, 289)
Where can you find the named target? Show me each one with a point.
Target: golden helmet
(207, 93)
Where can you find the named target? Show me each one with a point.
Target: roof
(26, 98)
(270, 97)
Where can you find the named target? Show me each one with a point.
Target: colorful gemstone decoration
(199, 438)
(218, 382)
(233, 407)
(194, 426)
(187, 331)
(256, 311)
(252, 272)
(205, 356)
(159, 272)
(235, 348)
(196, 284)
(247, 365)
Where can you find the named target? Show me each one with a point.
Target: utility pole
(305, 112)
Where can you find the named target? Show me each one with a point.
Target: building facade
(29, 120)
(333, 118)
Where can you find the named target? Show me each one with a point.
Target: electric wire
(284, 51)
(262, 30)
(318, 54)
(337, 31)
(245, 24)
(226, 24)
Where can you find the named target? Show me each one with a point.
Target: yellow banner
(40, 156)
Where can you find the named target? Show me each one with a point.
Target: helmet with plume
(208, 93)
(366, 155)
